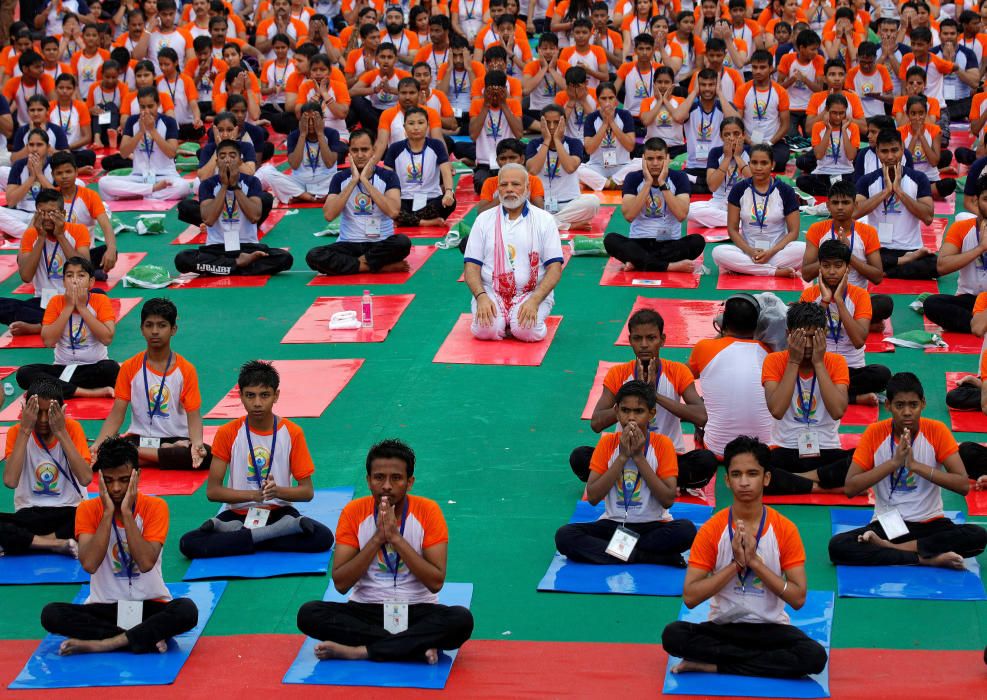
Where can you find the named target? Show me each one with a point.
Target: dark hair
(836, 99)
(903, 383)
(116, 452)
(29, 58)
(747, 445)
(201, 43)
(421, 64)
(575, 76)
(160, 306)
(916, 71)
(459, 43)
(35, 131)
(646, 317)
(707, 73)
(62, 158)
(320, 59)
(308, 49)
(981, 185)
(45, 388)
(868, 49)
(368, 29)
(805, 314)
(144, 65)
(761, 56)
(552, 108)
(888, 136)
(66, 76)
(715, 44)
(385, 46)
(834, 250)
(361, 132)
(225, 117)
(807, 38)
(495, 52)
(740, 314)
(166, 5)
(605, 85)
(509, 20)
(216, 20)
(665, 70)
(81, 262)
(843, 188)
(440, 21)
(921, 34)
(282, 38)
(169, 53)
(638, 389)
(881, 121)
(311, 106)
(736, 121)
(917, 100)
(646, 39)
(949, 23)
(844, 13)
(834, 63)
(416, 110)
(112, 65)
(392, 448)
(151, 92)
(512, 145)
(48, 196)
(583, 22)
(258, 373)
(762, 148)
(411, 82)
(655, 143)
(38, 100)
(228, 145)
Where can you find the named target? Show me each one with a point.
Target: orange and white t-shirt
(935, 68)
(50, 274)
(392, 121)
(118, 576)
(495, 128)
(307, 92)
(388, 578)
(673, 381)
(78, 345)
(378, 98)
(858, 303)
(638, 85)
(85, 208)
(919, 159)
(973, 276)
(918, 500)
(276, 77)
(46, 479)
(863, 242)
(761, 109)
(178, 391)
(630, 500)
(249, 469)
(841, 165)
(817, 104)
(729, 372)
(798, 92)
(132, 106)
(935, 111)
(877, 83)
(806, 410)
(979, 306)
(595, 59)
(72, 119)
(183, 93)
(86, 68)
(780, 548)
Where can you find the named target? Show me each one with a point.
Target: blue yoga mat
(324, 507)
(904, 582)
(564, 576)
(46, 669)
(308, 670)
(815, 619)
(41, 568)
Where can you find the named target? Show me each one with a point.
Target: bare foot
(946, 560)
(432, 657)
(246, 259)
(69, 548)
(162, 646)
(629, 267)
(87, 646)
(400, 266)
(682, 266)
(331, 650)
(873, 538)
(432, 222)
(784, 272)
(687, 666)
(914, 255)
(866, 400)
(105, 392)
(304, 197)
(22, 328)
(583, 226)
(160, 185)
(981, 484)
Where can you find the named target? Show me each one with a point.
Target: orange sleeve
(434, 120)
(475, 106)
(668, 461)
(489, 187)
(705, 547)
(339, 90)
(868, 234)
(790, 547)
(785, 64)
(92, 201)
(55, 307)
(703, 353)
(222, 444)
(862, 307)
(28, 239)
(78, 437)
(817, 130)
(350, 60)
(387, 117)
(515, 106)
(600, 461)
(810, 294)
(617, 375)
(856, 105)
(87, 516)
(10, 89)
(348, 529)
(103, 308)
(191, 398)
(622, 72)
(863, 456)
(125, 378)
(190, 90)
(855, 135)
(300, 459)
(814, 101)
(774, 367)
(817, 230)
(886, 84)
(11, 438)
(958, 231)
(945, 67)
(980, 305)
(566, 52)
(47, 83)
(941, 439)
(740, 97)
(81, 235)
(434, 523)
(837, 368)
(782, 98)
(535, 186)
(679, 375)
(155, 527)
(84, 117)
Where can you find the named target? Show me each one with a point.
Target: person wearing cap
(493, 118)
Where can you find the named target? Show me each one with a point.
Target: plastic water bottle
(367, 310)
(8, 389)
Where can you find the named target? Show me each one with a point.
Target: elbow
(776, 414)
(10, 481)
(212, 493)
(90, 567)
(434, 586)
(800, 600)
(690, 599)
(963, 487)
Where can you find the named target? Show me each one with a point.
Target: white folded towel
(344, 321)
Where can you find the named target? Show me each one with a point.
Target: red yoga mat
(860, 415)
(686, 320)
(193, 235)
(964, 421)
(959, 343)
(141, 205)
(910, 287)
(820, 499)
(875, 341)
(976, 502)
(313, 326)
(606, 196)
(754, 283)
(80, 409)
(614, 275)
(8, 266)
(849, 441)
(712, 235)
(191, 280)
(166, 482)
(422, 231)
(461, 348)
(596, 390)
(125, 263)
(419, 254)
(121, 307)
(298, 205)
(307, 388)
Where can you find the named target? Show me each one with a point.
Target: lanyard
(64, 123)
(51, 264)
(155, 408)
(170, 91)
(72, 205)
(284, 75)
(835, 329)
(470, 9)
(658, 376)
(853, 233)
(899, 473)
(552, 169)
(705, 128)
(76, 335)
(436, 62)
(395, 565)
(229, 208)
(654, 203)
(835, 146)
(312, 158)
(495, 128)
(805, 406)
(459, 87)
(258, 463)
(67, 474)
(890, 202)
(648, 91)
(629, 496)
(125, 559)
(417, 174)
(757, 542)
(761, 214)
(762, 110)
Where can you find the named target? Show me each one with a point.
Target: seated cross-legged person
(609, 141)
(79, 325)
(162, 390)
(48, 468)
(848, 311)
(634, 472)
(907, 460)
(121, 535)
(424, 173)
(835, 140)
(726, 165)
(391, 551)
(763, 223)
(262, 454)
(230, 206)
(748, 561)
(897, 200)
(656, 202)
(675, 393)
(26, 178)
(806, 391)
(151, 139)
(513, 262)
(367, 197)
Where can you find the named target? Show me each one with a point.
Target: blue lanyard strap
(761, 214)
(76, 335)
(62, 470)
(155, 408)
(804, 405)
(125, 560)
(551, 169)
(417, 173)
(394, 565)
(51, 264)
(459, 87)
(495, 128)
(853, 233)
(835, 146)
(762, 111)
(256, 463)
(760, 531)
(628, 496)
(313, 159)
(898, 474)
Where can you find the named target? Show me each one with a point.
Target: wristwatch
(663, 188)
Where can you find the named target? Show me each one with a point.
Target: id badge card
(609, 157)
(130, 613)
(396, 617)
(46, 296)
(622, 543)
(150, 179)
(885, 233)
(231, 238)
(151, 443)
(893, 524)
(66, 375)
(373, 227)
(551, 204)
(949, 89)
(762, 243)
(418, 202)
(256, 517)
(105, 118)
(457, 112)
(702, 150)
(833, 179)
(808, 443)
(759, 135)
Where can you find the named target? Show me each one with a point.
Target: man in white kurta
(513, 262)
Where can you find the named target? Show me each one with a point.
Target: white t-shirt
(77, 344)
(762, 214)
(806, 409)
(46, 479)
(141, 386)
(702, 134)
(904, 227)
(360, 215)
(563, 186)
(418, 172)
(618, 155)
(655, 219)
(630, 496)
(230, 217)
(148, 157)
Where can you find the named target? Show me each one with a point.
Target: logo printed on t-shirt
(152, 396)
(629, 480)
(259, 464)
(46, 480)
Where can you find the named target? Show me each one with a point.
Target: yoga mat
(193, 235)
(815, 618)
(422, 231)
(40, 567)
(716, 234)
(687, 321)
(191, 280)
(754, 283)
(707, 495)
(596, 390)
(301, 397)
(964, 421)
(461, 348)
(121, 307)
(325, 507)
(313, 326)
(959, 343)
(167, 482)
(141, 205)
(860, 415)
(46, 669)
(80, 409)
(125, 263)
(849, 441)
(903, 582)
(298, 205)
(910, 287)
(933, 233)
(564, 576)
(419, 254)
(615, 276)
(820, 499)
(308, 670)
(611, 197)
(8, 266)
(598, 225)
(976, 502)
(272, 220)
(875, 341)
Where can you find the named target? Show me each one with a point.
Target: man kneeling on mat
(391, 551)
(263, 454)
(907, 460)
(634, 472)
(121, 535)
(749, 562)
